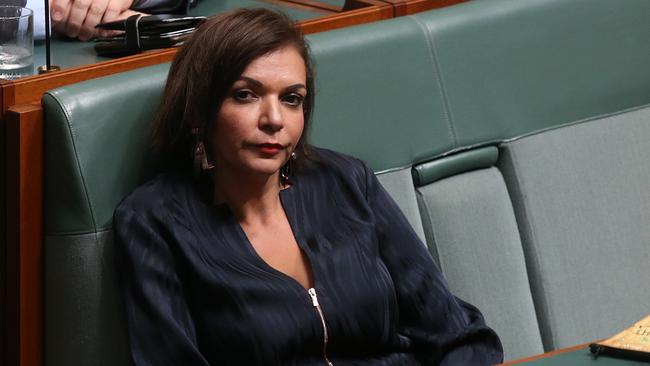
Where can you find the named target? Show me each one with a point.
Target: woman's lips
(270, 149)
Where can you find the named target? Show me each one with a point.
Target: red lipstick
(270, 149)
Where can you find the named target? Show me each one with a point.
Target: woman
(257, 249)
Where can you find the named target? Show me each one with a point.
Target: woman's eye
(244, 95)
(293, 99)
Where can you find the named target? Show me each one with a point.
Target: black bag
(146, 33)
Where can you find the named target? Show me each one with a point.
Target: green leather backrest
(377, 98)
(378, 95)
(509, 67)
(393, 93)
(97, 147)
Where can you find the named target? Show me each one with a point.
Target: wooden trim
(345, 19)
(311, 5)
(548, 354)
(6, 96)
(24, 219)
(407, 7)
(30, 89)
(4, 332)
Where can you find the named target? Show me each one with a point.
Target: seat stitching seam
(438, 76)
(67, 114)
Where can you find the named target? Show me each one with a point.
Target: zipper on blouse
(314, 302)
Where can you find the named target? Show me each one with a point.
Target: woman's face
(261, 119)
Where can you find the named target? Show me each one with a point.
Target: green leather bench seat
(96, 139)
(509, 68)
(471, 228)
(444, 95)
(582, 194)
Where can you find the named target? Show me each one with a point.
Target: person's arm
(442, 328)
(161, 329)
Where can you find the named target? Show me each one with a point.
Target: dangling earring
(285, 171)
(201, 162)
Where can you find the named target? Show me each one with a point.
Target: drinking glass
(16, 42)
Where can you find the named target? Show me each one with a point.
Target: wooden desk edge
(548, 354)
(31, 88)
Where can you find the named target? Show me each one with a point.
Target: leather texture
(399, 185)
(447, 166)
(97, 147)
(470, 223)
(583, 206)
(397, 93)
(377, 94)
(83, 313)
(508, 67)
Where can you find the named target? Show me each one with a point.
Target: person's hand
(78, 18)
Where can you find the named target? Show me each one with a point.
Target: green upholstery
(471, 229)
(399, 185)
(582, 197)
(377, 94)
(508, 67)
(434, 170)
(96, 151)
(83, 312)
(96, 143)
(435, 91)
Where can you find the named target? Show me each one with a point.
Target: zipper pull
(314, 299)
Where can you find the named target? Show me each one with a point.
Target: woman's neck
(252, 199)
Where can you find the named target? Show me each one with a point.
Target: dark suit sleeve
(442, 329)
(161, 330)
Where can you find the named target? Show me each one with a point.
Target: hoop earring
(200, 162)
(285, 171)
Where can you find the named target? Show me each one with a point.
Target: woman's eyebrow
(259, 84)
(296, 87)
(256, 83)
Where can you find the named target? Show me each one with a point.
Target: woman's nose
(271, 118)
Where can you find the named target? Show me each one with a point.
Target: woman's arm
(161, 329)
(442, 328)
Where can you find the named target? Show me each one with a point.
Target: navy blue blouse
(197, 293)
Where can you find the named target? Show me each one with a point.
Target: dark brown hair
(209, 63)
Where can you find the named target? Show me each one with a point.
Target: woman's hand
(78, 18)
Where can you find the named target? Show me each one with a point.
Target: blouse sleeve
(442, 329)
(161, 330)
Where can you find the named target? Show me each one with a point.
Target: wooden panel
(317, 5)
(297, 4)
(406, 7)
(3, 241)
(348, 18)
(30, 89)
(24, 208)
